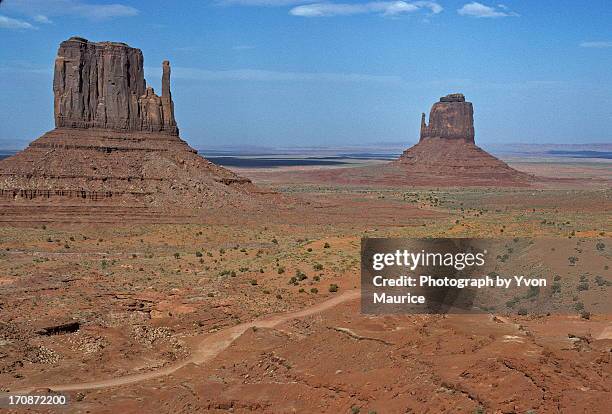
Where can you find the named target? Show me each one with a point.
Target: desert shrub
(309, 249)
(579, 306)
(333, 288)
(317, 266)
(293, 280)
(314, 290)
(533, 292)
(275, 241)
(326, 245)
(513, 302)
(522, 311)
(177, 255)
(583, 286)
(280, 270)
(557, 278)
(600, 246)
(556, 287)
(253, 282)
(316, 278)
(300, 275)
(266, 292)
(198, 254)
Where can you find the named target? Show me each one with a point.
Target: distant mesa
(115, 144)
(446, 151)
(445, 156)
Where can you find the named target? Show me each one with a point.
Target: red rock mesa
(115, 143)
(447, 154)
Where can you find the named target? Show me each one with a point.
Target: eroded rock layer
(156, 169)
(456, 159)
(116, 144)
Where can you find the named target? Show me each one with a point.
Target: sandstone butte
(445, 156)
(115, 143)
(447, 153)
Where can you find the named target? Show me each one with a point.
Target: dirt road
(206, 350)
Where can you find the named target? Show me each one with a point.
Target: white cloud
(187, 49)
(596, 45)
(385, 8)
(243, 47)
(475, 9)
(81, 8)
(9, 23)
(270, 3)
(258, 75)
(41, 18)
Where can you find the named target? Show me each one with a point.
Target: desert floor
(237, 315)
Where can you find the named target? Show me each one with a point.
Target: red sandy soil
(225, 331)
(339, 360)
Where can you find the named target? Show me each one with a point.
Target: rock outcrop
(451, 118)
(446, 151)
(115, 145)
(102, 85)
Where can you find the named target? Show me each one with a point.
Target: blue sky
(307, 73)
